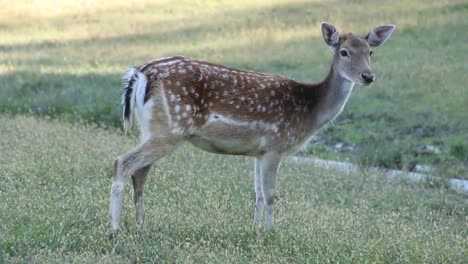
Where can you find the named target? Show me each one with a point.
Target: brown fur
(241, 95)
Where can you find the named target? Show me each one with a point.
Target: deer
(225, 110)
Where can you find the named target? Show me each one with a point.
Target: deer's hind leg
(139, 179)
(137, 163)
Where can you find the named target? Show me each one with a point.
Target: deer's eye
(370, 53)
(344, 53)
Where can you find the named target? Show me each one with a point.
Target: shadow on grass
(86, 97)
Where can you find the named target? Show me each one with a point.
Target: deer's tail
(133, 95)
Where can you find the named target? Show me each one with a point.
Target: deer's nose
(368, 77)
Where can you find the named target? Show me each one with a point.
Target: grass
(56, 177)
(65, 59)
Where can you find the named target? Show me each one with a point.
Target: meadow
(61, 64)
(55, 187)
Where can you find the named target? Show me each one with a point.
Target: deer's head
(353, 54)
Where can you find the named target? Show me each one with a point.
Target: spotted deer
(230, 111)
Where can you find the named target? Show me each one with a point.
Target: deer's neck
(327, 99)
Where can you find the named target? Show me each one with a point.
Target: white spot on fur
(262, 142)
(177, 131)
(166, 107)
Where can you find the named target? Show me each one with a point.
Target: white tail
(230, 111)
(134, 92)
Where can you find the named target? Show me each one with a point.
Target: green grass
(55, 182)
(63, 60)
(66, 59)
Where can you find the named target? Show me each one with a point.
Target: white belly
(224, 135)
(233, 145)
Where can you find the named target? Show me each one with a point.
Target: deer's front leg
(259, 201)
(269, 164)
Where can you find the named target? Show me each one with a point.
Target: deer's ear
(330, 35)
(379, 35)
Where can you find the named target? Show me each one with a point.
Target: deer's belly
(227, 135)
(249, 146)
